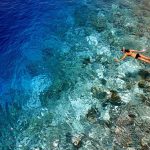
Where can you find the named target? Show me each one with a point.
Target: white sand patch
(126, 97)
(106, 115)
(116, 83)
(100, 71)
(103, 50)
(38, 85)
(128, 66)
(92, 40)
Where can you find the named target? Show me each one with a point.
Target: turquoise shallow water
(62, 89)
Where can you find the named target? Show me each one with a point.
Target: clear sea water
(58, 78)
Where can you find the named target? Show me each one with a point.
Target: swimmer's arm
(132, 50)
(123, 57)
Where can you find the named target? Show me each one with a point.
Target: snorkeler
(135, 54)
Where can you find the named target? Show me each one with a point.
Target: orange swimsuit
(136, 56)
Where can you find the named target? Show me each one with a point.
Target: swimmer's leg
(145, 60)
(144, 57)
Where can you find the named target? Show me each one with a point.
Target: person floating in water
(135, 54)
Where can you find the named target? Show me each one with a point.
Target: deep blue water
(25, 27)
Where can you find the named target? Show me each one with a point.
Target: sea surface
(60, 88)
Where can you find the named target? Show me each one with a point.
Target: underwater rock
(92, 115)
(131, 115)
(114, 99)
(144, 84)
(98, 92)
(103, 81)
(145, 142)
(77, 141)
(145, 99)
(114, 96)
(128, 132)
(123, 137)
(56, 143)
(86, 61)
(129, 85)
(125, 119)
(141, 84)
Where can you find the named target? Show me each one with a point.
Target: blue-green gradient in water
(29, 30)
(60, 87)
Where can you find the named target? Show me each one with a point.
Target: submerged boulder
(86, 61)
(144, 74)
(98, 93)
(77, 141)
(145, 99)
(92, 115)
(145, 142)
(141, 84)
(145, 85)
(114, 99)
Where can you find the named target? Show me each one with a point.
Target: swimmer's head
(123, 49)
